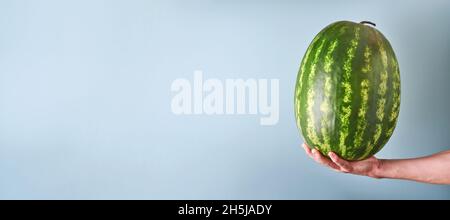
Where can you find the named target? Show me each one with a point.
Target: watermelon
(347, 94)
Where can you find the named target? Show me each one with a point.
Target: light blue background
(85, 98)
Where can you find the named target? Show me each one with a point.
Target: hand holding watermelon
(430, 169)
(367, 167)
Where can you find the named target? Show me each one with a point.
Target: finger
(308, 150)
(343, 164)
(319, 158)
(333, 166)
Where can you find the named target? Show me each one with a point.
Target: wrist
(378, 170)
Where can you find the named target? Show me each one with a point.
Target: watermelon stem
(368, 22)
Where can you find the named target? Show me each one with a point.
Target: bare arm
(430, 169)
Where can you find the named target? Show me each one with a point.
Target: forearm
(431, 169)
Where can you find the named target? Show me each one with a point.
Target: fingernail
(333, 156)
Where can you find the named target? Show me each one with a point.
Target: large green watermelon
(347, 95)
